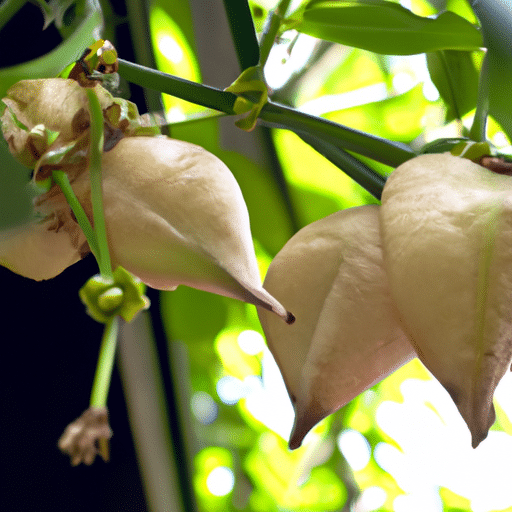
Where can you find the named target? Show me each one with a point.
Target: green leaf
(384, 27)
(54, 62)
(15, 197)
(456, 78)
(496, 17)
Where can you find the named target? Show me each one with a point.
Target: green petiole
(61, 178)
(105, 364)
(96, 151)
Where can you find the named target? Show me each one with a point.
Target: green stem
(383, 150)
(478, 128)
(351, 166)
(96, 152)
(271, 30)
(185, 89)
(61, 178)
(105, 364)
(273, 115)
(8, 8)
(242, 32)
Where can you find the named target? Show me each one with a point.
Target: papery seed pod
(42, 249)
(176, 215)
(347, 335)
(447, 234)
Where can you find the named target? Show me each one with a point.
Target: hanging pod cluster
(174, 213)
(428, 274)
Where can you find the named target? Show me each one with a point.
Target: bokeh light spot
(220, 481)
(251, 342)
(170, 49)
(371, 499)
(230, 389)
(204, 407)
(355, 448)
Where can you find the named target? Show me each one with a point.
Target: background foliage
(208, 413)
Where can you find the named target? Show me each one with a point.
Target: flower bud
(447, 235)
(347, 335)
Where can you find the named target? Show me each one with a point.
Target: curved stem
(96, 151)
(101, 383)
(351, 166)
(382, 150)
(61, 178)
(271, 30)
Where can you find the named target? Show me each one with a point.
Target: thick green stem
(273, 115)
(271, 30)
(382, 150)
(242, 32)
(96, 152)
(61, 178)
(351, 166)
(105, 364)
(185, 89)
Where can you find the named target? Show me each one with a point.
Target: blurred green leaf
(496, 19)
(317, 187)
(453, 502)
(193, 315)
(174, 52)
(456, 78)
(384, 27)
(359, 69)
(397, 118)
(462, 8)
(69, 50)
(15, 196)
(280, 473)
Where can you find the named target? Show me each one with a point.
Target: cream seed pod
(174, 212)
(348, 334)
(176, 215)
(446, 224)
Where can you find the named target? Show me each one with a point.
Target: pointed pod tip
(294, 443)
(306, 417)
(290, 318)
(297, 435)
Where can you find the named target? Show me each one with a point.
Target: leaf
(347, 335)
(447, 237)
(388, 28)
(400, 118)
(496, 17)
(55, 61)
(456, 78)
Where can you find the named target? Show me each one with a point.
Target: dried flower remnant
(87, 437)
